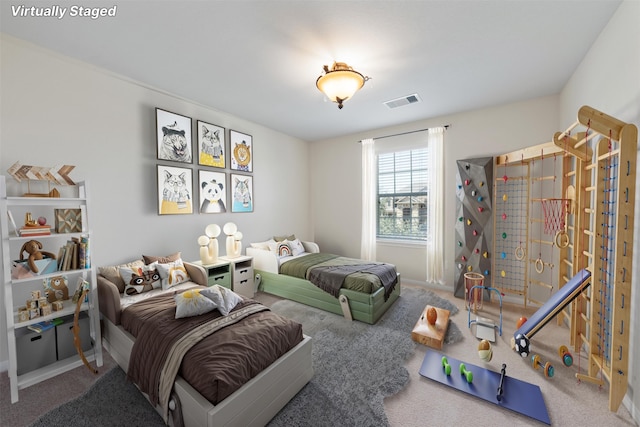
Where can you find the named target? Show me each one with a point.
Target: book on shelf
(74, 255)
(35, 230)
(43, 326)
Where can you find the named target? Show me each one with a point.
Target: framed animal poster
(241, 149)
(174, 190)
(241, 193)
(173, 136)
(213, 191)
(211, 147)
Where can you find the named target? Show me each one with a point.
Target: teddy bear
(32, 247)
(57, 289)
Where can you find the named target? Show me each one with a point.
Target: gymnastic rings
(562, 239)
(520, 253)
(539, 266)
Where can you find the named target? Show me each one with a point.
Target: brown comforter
(217, 365)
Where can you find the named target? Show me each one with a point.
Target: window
(403, 191)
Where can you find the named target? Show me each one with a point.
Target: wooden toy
(547, 368)
(564, 354)
(431, 335)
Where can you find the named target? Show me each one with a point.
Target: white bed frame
(254, 404)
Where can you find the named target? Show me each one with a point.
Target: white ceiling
(259, 59)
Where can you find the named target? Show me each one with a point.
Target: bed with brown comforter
(233, 350)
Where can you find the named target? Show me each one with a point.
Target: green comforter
(359, 282)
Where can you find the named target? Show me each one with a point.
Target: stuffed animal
(57, 289)
(32, 247)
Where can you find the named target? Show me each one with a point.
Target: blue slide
(555, 304)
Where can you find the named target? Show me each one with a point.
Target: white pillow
(224, 299)
(192, 303)
(173, 273)
(296, 246)
(262, 245)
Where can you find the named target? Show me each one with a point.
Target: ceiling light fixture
(340, 82)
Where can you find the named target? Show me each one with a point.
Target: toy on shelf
(33, 248)
(564, 354)
(547, 368)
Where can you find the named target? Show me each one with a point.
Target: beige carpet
(569, 403)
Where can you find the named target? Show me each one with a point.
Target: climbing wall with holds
(474, 221)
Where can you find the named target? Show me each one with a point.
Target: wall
(336, 201)
(57, 111)
(608, 79)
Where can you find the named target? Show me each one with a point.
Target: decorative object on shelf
(56, 288)
(211, 145)
(33, 248)
(340, 82)
(174, 190)
(241, 146)
(242, 193)
(209, 244)
(173, 136)
(234, 240)
(68, 220)
(213, 191)
(56, 175)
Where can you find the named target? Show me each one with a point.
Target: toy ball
(505, 197)
(484, 350)
(504, 216)
(520, 322)
(432, 316)
(503, 273)
(521, 345)
(42, 220)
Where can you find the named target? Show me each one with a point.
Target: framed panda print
(241, 150)
(212, 187)
(173, 134)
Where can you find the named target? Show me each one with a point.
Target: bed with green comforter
(370, 288)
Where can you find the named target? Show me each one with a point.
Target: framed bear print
(211, 145)
(241, 193)
(213, 191)
(175, 187)
(173, 133)
(241, 149)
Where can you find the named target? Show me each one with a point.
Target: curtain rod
(406, 133)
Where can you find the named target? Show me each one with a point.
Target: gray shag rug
(356, 366)
(111, 402)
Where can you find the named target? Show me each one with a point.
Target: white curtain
(368, 242)
(435, 240)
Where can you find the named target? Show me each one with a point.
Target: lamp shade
(340, 82)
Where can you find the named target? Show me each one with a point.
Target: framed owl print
(241, 150)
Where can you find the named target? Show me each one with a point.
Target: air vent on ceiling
(405, 100)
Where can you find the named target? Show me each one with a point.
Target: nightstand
(242, 275)
(218, 273)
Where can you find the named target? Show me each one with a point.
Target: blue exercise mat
(518, 396)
